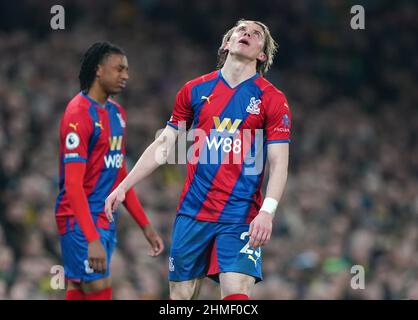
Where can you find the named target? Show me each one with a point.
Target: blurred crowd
(352, 192)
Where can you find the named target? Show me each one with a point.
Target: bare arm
(278, 157)
(261, 226)
(155, 155)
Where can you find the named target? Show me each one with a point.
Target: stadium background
(351, 196)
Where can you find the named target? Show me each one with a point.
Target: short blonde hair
(270, 47)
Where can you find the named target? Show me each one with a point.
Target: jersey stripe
(246, 184)
(96, 131)
(61, 183)
(225, 180)
(221, 99)
(107, 177)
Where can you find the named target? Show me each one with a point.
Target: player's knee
(95, 286)
(184, 290)
(71, 285)
(236, 289)
(236, 283)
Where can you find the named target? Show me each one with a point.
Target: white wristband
(270, 206)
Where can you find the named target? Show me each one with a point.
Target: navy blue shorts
(75, 253)
(202, 248)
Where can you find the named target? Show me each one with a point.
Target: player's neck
(97, 94)
(236, 71)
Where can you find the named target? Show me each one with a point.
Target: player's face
(113, 73)
(247, 40)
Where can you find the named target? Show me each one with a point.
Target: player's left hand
(155, 241)
(112, 202)
(260, 229)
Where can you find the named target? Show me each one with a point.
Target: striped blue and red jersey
(95, 135)
(225, 184)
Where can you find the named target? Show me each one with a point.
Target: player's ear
(99, 71)
(262, 56)
(226, 46)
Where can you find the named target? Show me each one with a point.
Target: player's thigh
(71, 285)
(96, 285)
(108, 239)
(185, 290)
(190, 247)
(233, 283)
(75, 258)
(232, 252)
(88, 287)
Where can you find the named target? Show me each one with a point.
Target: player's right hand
(113, 201)
(97, 256)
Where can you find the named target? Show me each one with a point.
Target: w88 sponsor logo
(114, 160)
(228, 144)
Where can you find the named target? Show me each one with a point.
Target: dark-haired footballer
(92, 164)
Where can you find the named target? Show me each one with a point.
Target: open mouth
(244, 41)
